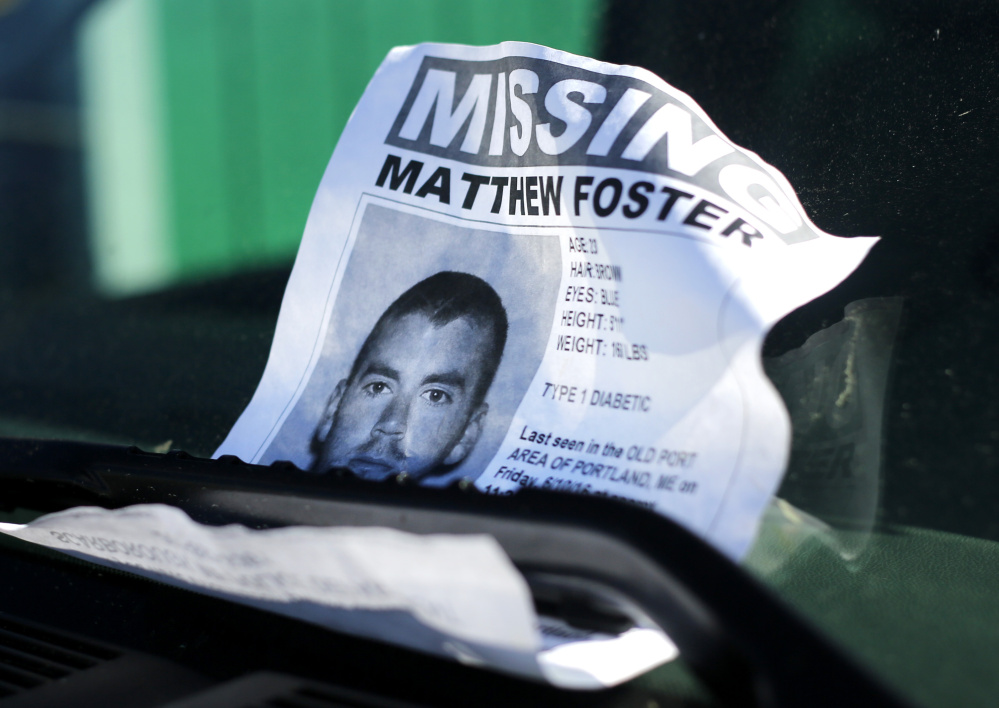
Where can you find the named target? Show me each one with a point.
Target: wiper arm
(597, 559)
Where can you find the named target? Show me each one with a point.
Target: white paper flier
(528, 268)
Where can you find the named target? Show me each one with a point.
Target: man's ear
(473, 429)
(325, 424)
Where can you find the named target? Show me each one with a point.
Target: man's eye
(375, 388)
(437, 397)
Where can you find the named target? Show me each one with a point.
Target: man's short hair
(443, 298)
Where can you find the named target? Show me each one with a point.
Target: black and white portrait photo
(435, 335)
(414, 400)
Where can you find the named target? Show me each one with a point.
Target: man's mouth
(372, 467)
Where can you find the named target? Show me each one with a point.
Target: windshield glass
(158, 161)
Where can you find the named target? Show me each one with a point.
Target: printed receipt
(455, 596)
(484, 600)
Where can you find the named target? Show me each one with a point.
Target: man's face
(410, 408)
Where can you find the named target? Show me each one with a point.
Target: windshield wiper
(596, 562)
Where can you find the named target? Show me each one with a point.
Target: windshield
(158, 161)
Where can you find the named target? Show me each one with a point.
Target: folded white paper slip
(454, 596)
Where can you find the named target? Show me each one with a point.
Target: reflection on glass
(834, 387)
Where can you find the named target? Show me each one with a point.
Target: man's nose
(394, 417)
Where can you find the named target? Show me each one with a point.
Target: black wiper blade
(590, 556)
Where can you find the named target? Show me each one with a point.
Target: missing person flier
(525, 268)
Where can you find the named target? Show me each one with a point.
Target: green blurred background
(208, 123)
